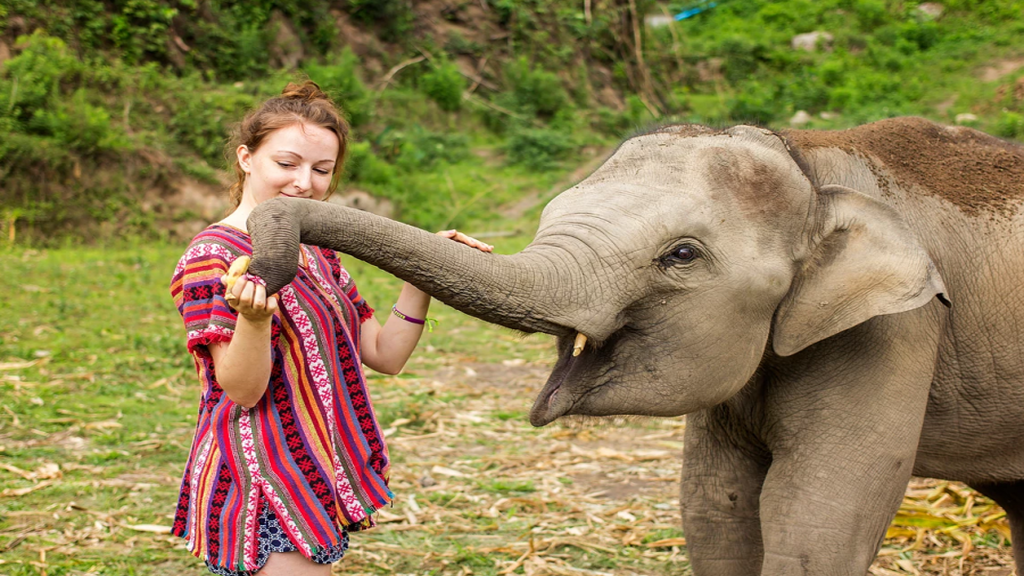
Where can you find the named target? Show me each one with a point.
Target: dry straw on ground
(479, 491)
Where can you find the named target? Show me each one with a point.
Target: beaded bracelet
(430, 322)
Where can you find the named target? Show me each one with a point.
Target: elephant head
(680, 259)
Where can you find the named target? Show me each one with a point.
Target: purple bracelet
(395, 311)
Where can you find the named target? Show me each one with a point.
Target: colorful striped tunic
(311, 448)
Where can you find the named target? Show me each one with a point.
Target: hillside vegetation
(114, 114)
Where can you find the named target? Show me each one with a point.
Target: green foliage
(139, 30)
(1010, 125)
(339, 77)
(32, 78)
(153, 87)
(204, 121)
(394, 17)
(886, 58)
(421, 149)
(534, 90)
(538, 148)
(444, 84)
(363, 166)
(80, 125)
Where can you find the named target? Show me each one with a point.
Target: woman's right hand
(250, 300)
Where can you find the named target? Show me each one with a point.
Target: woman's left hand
(468, 241)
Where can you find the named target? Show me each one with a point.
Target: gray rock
(810, 41)
(657, 20)
(966, 118)
(800, 118)
(931, 9)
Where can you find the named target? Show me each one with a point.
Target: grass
(97, 408)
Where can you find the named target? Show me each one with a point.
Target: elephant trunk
(505, 290)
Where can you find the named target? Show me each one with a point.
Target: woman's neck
(238, 218)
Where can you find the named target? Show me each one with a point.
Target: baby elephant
(834, 310)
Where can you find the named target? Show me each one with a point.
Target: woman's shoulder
(230, 239)
(218, 243)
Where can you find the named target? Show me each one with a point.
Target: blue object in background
(691, 12)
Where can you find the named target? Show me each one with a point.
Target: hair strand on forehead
(303, 103)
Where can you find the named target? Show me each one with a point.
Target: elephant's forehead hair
(751, 167)
(975, 171)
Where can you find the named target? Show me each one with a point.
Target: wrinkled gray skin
(808, 338)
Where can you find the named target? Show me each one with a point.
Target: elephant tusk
(238, 267)
(577, 346)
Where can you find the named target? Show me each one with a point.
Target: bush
(1010, 125)
(395, 17)
(422, 149)
(444, 85)
(36, 74)
(362, 165)
(203, 122)
(535, 91)
(140, 29)
(757, 104)
(339, 78)
(538, 148)
(79, 125)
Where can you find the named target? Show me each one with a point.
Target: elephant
(834, 311)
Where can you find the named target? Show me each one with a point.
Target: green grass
(94, 377)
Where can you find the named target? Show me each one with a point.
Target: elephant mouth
(556, 399)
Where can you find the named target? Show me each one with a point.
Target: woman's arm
(243, 365)
(387, 348)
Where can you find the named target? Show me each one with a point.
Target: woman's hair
(303, 103)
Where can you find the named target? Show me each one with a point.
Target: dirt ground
(599, 496)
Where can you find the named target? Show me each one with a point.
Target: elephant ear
(864, 262)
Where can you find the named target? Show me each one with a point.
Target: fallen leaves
(14, 492)
(154, 528)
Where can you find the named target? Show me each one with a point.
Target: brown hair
(298, 103)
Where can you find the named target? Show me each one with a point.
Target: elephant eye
(682, 254)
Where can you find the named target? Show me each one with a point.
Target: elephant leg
(721, 487)
(844, 423)
(1010, 495)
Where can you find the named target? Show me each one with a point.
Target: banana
(237, 269)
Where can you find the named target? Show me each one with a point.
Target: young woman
(287, 456)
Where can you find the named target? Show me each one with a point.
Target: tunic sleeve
(348, 285)
(199, 295)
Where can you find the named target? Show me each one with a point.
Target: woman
(287, 456)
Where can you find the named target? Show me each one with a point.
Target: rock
(657, 20)
(800, 118)
(931, 9)
(427, 481)
(285, 47)
(364, 201)
(966, 118)
(810, 41)
(828, 115)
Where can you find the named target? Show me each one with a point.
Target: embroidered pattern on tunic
(311, 448)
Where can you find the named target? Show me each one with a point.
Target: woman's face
(296, 161)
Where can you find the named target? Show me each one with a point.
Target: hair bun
(308, 91)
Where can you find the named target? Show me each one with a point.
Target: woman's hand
(244, 363)
(468, 241)
(250, 301)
